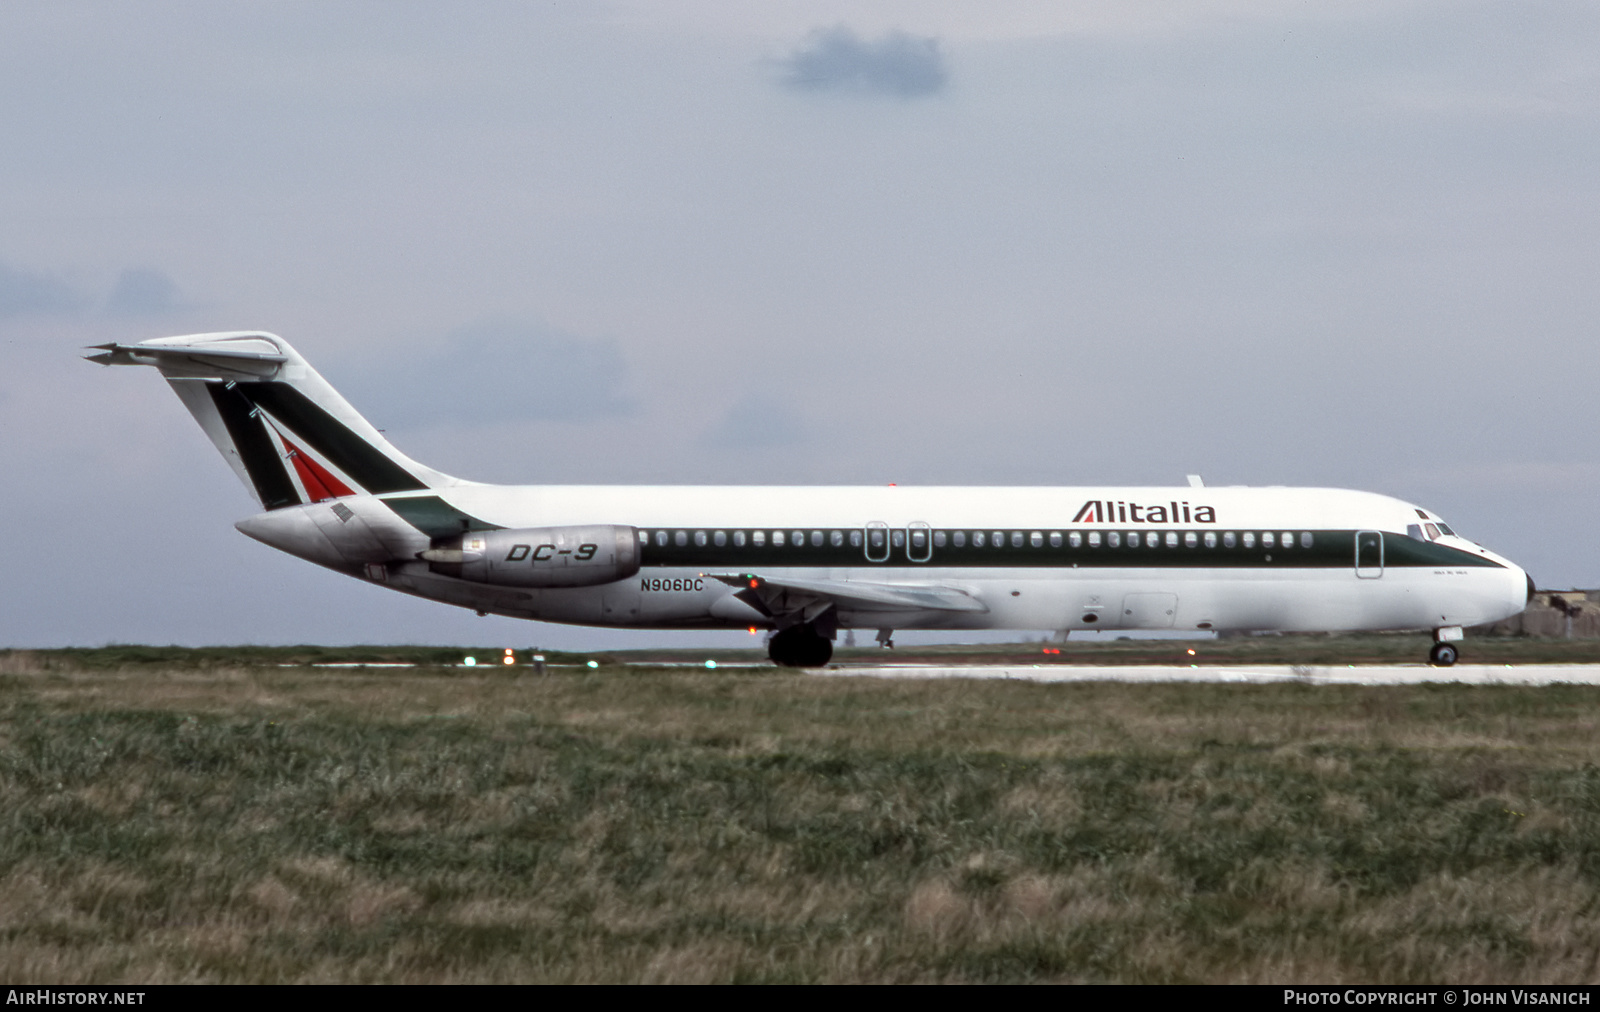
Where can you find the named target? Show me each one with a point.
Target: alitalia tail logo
(1099, 511)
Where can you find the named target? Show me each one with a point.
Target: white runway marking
(1365, 674)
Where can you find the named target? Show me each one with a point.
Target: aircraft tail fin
(288, 435)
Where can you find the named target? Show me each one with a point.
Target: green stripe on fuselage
(434, 517)
(1329, 550)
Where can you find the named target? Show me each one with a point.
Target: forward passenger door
(1369, 554)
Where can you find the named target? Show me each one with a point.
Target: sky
(1272, 243)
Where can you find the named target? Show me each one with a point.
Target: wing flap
(786, 595)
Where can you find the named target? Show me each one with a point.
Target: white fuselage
(805, 562)
(1061, 563)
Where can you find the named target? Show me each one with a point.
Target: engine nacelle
(539, 556)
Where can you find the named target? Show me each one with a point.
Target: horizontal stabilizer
(283, 430)
(223, 356)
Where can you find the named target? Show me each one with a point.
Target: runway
(1363, 674)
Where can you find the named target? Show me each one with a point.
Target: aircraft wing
(810, 598)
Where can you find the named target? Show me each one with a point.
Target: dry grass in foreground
(255, 824)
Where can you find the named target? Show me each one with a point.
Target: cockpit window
(1444, 528)
(1433, 532)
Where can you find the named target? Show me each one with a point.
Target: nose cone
(1513, 587)
(292, 530)
(1518, 593)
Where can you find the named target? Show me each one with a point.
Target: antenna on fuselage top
(1195, 481)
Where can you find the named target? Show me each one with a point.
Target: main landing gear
(800, 646)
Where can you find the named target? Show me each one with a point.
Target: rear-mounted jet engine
(538, 556)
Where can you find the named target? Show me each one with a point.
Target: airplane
(805, 562)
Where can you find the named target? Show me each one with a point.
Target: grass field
(227, 821)
(1387, 648)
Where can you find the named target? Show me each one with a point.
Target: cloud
(143, 291)
(497, 371)
(756, 423)
(22, 292)
(836, 59)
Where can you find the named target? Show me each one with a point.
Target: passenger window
(681, 538)
(836, 539)
(798, 539)
(1190, 539)
(719, 539)
(1249, 539)
(897, 538)
(1016, 539)
(1211, 539)
(938, 539)
(919, 539)
(855, 539)
(699, 539)
(875, 539)
(1036, 540)
(1172, 539)
(999, 539)
(960, 538)
(1266, 539)
(777, 539)
(1305, 539)
(977, 539)
(816, 539)
(738, 539)
(1114, 540)
(1133, 539)
(1228, 540)
(661, 538)
(1075, 539)
(758, 538)
(1287, 540)
(1094, 539)
(1055, 539)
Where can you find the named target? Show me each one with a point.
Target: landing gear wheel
(800, 646)
(1442, 655)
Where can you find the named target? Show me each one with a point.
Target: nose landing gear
(1444, 652)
